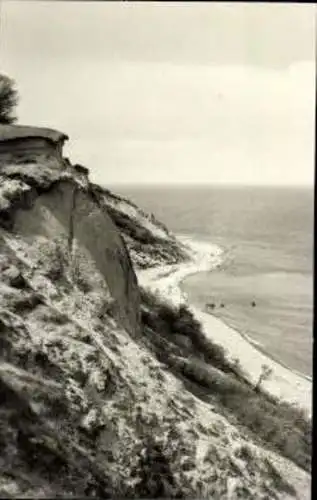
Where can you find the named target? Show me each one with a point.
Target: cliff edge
(86, 406)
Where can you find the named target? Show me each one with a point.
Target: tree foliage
(8, 100)
(265, 374)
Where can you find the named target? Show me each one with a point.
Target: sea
(264, 288)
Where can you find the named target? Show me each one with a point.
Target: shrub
(82, 283)
(279, 425)
(56, 317)
(155, 474)
(57, 262)
(271, 422)
(244, 453)
(180, 320)
(26, 302)
(131, 227)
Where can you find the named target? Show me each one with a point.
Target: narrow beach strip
(284, 383)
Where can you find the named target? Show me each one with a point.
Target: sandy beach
(166, 280)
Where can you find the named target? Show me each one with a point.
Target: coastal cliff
(95, 398)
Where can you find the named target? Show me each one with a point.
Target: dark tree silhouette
(265, 374)
(8, 100)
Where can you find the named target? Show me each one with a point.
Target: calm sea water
(267, 236)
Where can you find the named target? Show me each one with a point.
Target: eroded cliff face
(86, 408)
(70, 374)
(149, 242)
(60, 222)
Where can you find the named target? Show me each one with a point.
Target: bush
(131, 227)
(57, 262)
(157, 480)
(55, 317)
(180, 320)
(279, 425)
(26, 302)
(272, 423)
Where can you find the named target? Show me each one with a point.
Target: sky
(169, 93)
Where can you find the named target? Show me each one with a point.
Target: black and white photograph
(157, 170)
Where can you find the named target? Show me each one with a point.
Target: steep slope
(65, 221)
(86, 407)
(149, 242)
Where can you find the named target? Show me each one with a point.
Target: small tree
(8, 100)
(265, 374)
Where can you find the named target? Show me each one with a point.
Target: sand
(165, 280)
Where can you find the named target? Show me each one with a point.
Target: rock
(70, 382)
(14, 277)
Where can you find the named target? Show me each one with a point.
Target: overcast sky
(169, 92)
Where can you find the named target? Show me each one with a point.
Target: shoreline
(285, 383)
(257, 345)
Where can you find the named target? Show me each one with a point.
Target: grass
(169, 250)
(279, 425)
(131, 227)
(180, 321)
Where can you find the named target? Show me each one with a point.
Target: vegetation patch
(278, 425)
(131, 227)
(277, 480)
(159, 314)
